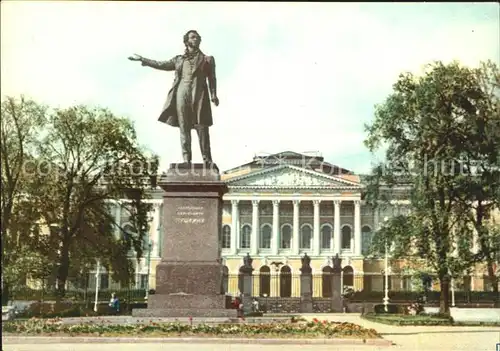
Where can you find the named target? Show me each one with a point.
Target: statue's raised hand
(135, 57)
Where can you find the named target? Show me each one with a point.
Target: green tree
(88, 158)
(425, 125)
(22, 121)
(478, 195)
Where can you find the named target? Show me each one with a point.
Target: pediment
(289, 176)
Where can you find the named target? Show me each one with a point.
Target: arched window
(346, 237)
(305, 236)
(327, 281)
(326, 237)
(366, 238)
(265, 236)
(128, 231)
(226, 237)
(286, 236)
(285, 282)
(265, 281)
(246, 233)
(348, 276)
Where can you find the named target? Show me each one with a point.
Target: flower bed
(314, 329)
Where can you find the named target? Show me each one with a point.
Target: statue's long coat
(205, 70)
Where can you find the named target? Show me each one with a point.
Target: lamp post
(386, 272)
(452, 292)
(276, 271)
(149, 269)
(97, 281)
(277, 305)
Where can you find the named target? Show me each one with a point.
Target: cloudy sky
(291, 76)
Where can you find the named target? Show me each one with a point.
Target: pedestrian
(114, 304)
(255, 305)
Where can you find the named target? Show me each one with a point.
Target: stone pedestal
(189, 276)
(306, 304)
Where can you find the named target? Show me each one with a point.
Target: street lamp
(97, 280)
(452, 288)
(386, 283)
(150, 243)
(452, 292)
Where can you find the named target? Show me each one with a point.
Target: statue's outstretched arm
(162, 65)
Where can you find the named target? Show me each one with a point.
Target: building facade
(282, 206)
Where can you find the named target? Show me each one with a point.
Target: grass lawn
(418, 320)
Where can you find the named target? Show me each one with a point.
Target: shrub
(391, 309)
(398, 319)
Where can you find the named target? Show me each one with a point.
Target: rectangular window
(104, 281)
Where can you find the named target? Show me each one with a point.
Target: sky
(291, 76)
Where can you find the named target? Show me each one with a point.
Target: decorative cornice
(297, 187)
(300, 169)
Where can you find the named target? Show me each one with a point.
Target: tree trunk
(5, 293)
(42, 299)
(493, 281)
(444, 298)
(62, 273)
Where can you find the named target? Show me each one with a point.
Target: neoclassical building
(280, 207)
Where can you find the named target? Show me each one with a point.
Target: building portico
(272, 225)
(283, 206)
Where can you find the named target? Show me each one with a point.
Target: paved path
(183, 347)
(405, 338)
(426, 337)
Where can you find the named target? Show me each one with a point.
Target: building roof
(308, 161)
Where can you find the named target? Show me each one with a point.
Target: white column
(276, 223)
(357, 228)
(118, 214)
(475, 242)
(235, 227)
(316, 240)
(254, 241)
(296, 229)
(137, 273)
(336, 223)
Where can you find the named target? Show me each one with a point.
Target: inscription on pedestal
(192, 228)
(190, 215)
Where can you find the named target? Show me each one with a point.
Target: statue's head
(192, 39)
